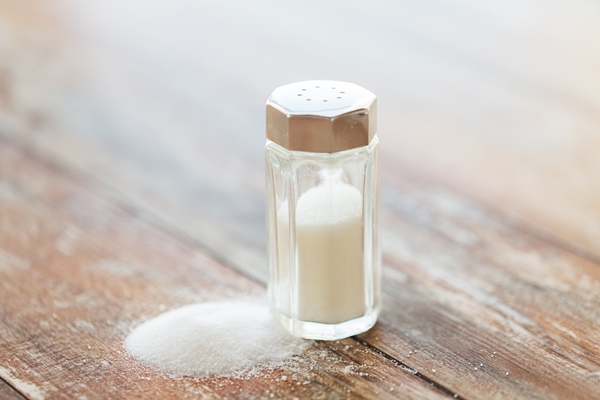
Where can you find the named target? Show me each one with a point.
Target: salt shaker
(322, 169)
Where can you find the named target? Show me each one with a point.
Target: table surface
(132, 182)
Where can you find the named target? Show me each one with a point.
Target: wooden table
(132, 182)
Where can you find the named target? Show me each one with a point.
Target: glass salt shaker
(322, 169)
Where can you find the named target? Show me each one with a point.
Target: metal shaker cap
(321, 116)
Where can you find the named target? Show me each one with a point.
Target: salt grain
(214, 339)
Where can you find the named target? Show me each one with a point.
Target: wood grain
(8, 392)
(488, 304)
(123, 134)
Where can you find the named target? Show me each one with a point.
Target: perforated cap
(321, 116)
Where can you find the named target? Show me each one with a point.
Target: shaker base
(319, 331)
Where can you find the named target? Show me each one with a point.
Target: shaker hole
(324, 101)
(307, 99)
(299, 94)
(342, 92)
(339, 97)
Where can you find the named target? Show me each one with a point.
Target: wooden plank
(8, 392)
(485, 309)
(77, 274)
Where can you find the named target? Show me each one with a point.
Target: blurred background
(163, 101)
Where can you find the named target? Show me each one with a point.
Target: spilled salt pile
(214, 339)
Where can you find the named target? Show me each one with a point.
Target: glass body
(323, 240)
